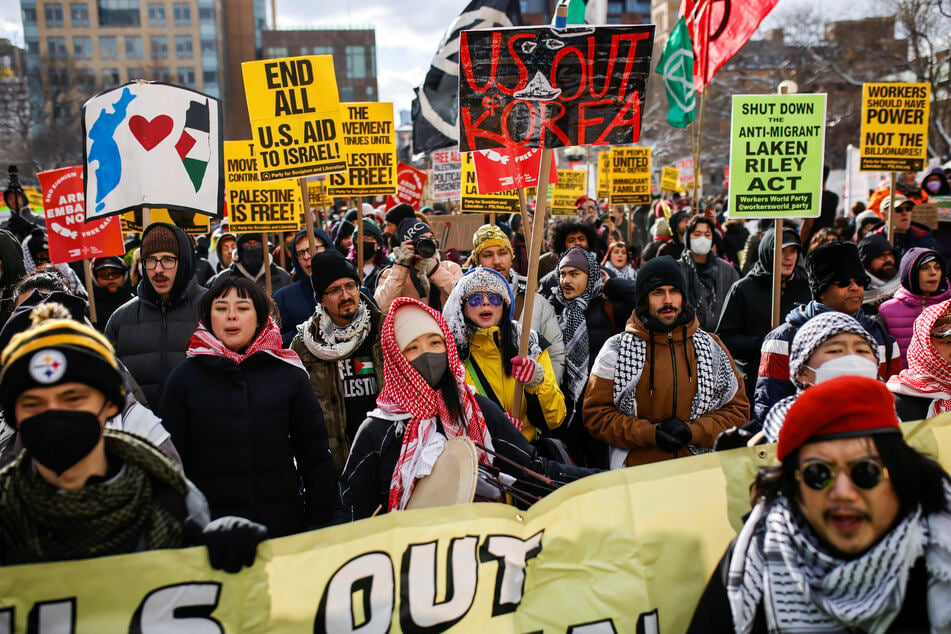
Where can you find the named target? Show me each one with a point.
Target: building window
(615, 7)
(373, 61)
(209, 47)
(133, 47)
(356, 62)
(159, 47)
(135, 73)
(110, 77)
(162, 74)
(183, 14)
(82, 47)
(86, 80)
(317, 50)
(29, 16)
(33, 46)
(186, 76)
(62, 111)
(119, 13)
(108, 47)
(274, 52)
(54, 14)
(156, 14)
(79, 14)
(209, 77)
(346, 93)
(183, 46)
(206, 14)
(370, 94)
(56, 47)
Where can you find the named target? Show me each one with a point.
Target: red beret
(843, 407)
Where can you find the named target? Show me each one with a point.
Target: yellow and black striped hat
(57, 349)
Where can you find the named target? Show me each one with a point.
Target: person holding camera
(417, 270)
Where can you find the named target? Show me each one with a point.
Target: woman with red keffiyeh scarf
(244, 417)
(425, 401)
(924, 388)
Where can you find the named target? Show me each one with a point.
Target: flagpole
(308, 218)
(87, 270)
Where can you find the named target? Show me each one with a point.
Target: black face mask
(369, 250)
(58, 439)
(431, 366)
(252, 259)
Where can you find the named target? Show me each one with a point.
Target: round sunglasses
(476, 300)
(819, 476)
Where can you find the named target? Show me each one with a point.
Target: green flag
(676, 65)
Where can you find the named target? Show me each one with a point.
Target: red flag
(505, 169)
(720, 28)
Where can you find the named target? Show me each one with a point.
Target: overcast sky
(407, 33)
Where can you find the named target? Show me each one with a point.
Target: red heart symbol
(150, 133)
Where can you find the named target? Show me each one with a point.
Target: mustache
(848, 510)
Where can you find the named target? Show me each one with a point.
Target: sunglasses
(819, 476)
(476, 300)
(847, 283)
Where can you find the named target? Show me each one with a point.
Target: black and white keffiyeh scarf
(329, 342)
(778, 562)
(574, 327)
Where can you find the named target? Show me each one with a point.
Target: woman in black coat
(241, 411)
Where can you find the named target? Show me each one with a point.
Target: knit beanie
(488, 236)
(872, 246)
(398, 213)
(844, 407)
(656, 272)
(371, 228)
(326, 268)
(818, 330)
(412, 227)
(574, 258)
(57, 350)
(834, 262)
(484, 280)
(36, 243)
(411, 321)
(160, 238)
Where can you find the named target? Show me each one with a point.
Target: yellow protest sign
(35, 197)
(571, 185)
(630, 175)
(505, 202)
(317, 193)
(670, 179)
(192, 223)
(295, 116)
(894, 127)
(254, 205)
(604, 174)
(369, 144)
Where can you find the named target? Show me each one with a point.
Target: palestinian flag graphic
(364, 367)
(194, 145)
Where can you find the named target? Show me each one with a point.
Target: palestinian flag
(364, 367)
(194, 144)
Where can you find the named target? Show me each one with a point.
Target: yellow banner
(295, 116)
(604, 174)
(254, 205)
(472, 201)
(192, 223)
(571, 185)
(369, 144)
(894, 127)
(670, 179)
(625, 551)
(630, 175)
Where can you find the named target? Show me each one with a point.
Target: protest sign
(447, 174)
(776, 155)
(474, 200)
(604, 174)
(152, 145)
(410, 183)
(255, 206)
(670, 179)
(630, 175)
(295, 116)
(370, 150)
(317, 193)
(69, 236)
(624, 551)
(571, 185)
(685, 167)
(926, 214)
(943, 204)
(188, 221)
(546, 87)
(894, 134)
(34, 197)
(505, 169)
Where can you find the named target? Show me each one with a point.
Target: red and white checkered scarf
(405, 391)
(927, 371)
(204, 342)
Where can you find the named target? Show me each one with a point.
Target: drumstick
(515, 464)
(379, 507)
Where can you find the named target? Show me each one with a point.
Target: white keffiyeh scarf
(334, 343)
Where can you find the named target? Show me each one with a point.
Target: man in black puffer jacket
(151, 332)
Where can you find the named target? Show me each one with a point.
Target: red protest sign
(409, 186)
(504, 169)
(70, 238)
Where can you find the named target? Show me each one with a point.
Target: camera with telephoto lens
(425, 246)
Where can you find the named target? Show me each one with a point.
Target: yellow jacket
(485, 352)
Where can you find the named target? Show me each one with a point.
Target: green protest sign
(776, 155)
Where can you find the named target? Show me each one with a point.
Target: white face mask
(701, 246)
(847, 365)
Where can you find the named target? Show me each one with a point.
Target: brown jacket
(669, 393)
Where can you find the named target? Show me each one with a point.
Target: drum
(453, 479)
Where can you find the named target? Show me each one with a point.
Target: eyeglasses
(168, 262)
(337, 291)
(109, 274)
(303, 253)
(476, 300)
(819, 476)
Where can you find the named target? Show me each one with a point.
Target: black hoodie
(11, 259)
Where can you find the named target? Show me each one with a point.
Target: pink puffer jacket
(899, 314)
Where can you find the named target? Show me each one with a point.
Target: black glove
(732, 438)
(672, 434)
(232, 542)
